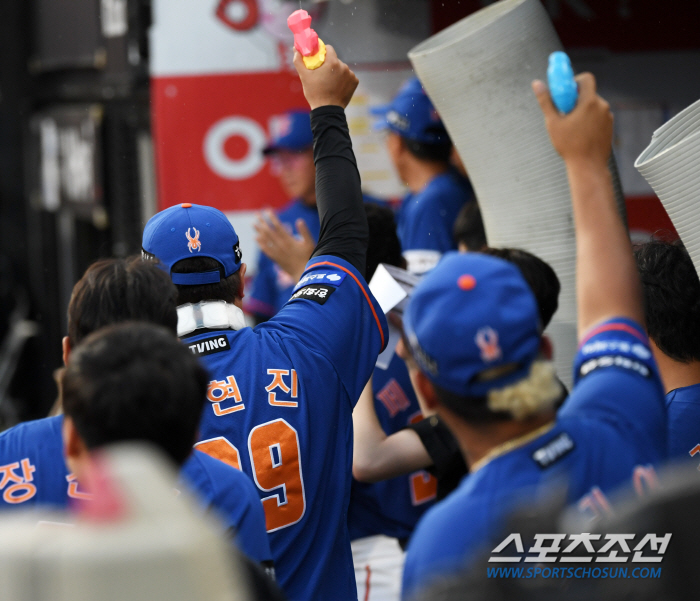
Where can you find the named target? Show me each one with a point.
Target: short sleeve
(427, 228)
(449, 534)
(683, 420)
(616, 379)
(332, 312)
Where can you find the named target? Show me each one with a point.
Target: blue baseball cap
(188, 230)
(290, 131)
(412, 115)
(473, 324)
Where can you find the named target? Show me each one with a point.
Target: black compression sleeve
(344, 232)
(448, 464)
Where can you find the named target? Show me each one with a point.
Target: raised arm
(328, 90)
(607, 283)
(377, 456)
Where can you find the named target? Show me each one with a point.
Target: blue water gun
(562, 86)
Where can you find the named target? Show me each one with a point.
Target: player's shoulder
(296, 209)
(220, 475)
(323, 277)
(45, 431)
(448, 185)
(445, 537)
(685, 395)
(614, 348)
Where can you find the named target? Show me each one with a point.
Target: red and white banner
(220, 69)
(210, 131)
(218, 75)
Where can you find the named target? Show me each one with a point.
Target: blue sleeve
(616, 379)
(444, 540)
(333, 313)
(32, 467)
(683, 422)
(263, 296)
(427, 228)
(232, 495)
(251, 534)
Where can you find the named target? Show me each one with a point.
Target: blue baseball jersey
(616, 410)
(427, 218)
(281, 399)
(272, 286)
(235, 499)
(392, 507)
(33, 473)
(683, 407)
(33, 469)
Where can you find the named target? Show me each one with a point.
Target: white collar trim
(214, 315)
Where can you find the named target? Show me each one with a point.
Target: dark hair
(116, 290)
(135, 381)
(671, 298)
(227, 289)
(435, 153)
(540, 276)
(383, 245)
(469, 227)
(471, 409)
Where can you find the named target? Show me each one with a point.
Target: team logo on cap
(193, 243)
(393, 118)
(280, 126)
(487, 341)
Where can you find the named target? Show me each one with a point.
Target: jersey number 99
(275, 458)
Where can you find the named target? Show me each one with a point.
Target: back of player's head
(473, 327)
(383, 245)
(117, 290)
(227, 289)
(135, 381)
(199, 248)
(469, 228)
(540, 276)
(671, 298)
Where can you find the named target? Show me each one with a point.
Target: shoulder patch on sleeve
(591, 365)
(554, 450)
(332, 277)
(209, 346)
(319, 293)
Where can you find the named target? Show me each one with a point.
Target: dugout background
(77, 166)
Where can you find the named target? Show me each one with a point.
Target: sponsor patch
(554, 450)
(334, 278)
(209, 346)
(614, 361)
(616, 346)
(319, 293)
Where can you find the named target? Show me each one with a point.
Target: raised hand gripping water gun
(306, 40)
(562, 86)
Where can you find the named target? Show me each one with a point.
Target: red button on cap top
(186, 205)
(466, 282)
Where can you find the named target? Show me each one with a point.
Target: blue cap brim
(380, 112)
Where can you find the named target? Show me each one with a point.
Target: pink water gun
(306, 40)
